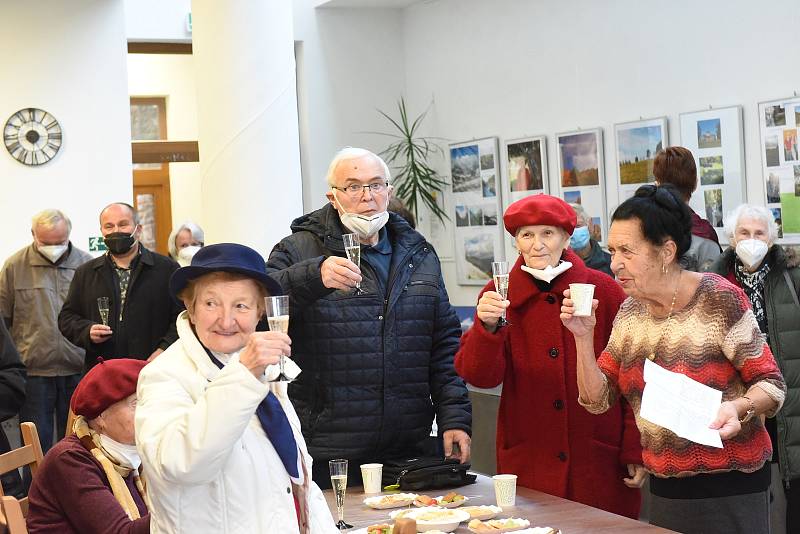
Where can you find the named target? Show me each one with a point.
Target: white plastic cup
(371, 476)
(505, 489)
(581, 295)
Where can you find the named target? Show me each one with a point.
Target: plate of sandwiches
(439, 519)
(482, 512)
(495, 526)
(451, 500)
(394, 500)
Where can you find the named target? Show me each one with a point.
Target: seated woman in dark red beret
(89, 482)
(543, 436)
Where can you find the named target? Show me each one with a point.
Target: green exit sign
(96, 244)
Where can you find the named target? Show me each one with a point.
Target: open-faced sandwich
(495, 526)
(401, 526)
(425, 500)
(451, 500)
(482, 512)
(395, 500)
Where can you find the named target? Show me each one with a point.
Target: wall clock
(32, 136)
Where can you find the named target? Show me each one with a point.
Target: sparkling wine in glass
(278, 319)
(102, 306)
(500, 275)
(352, 247)
(338, 470)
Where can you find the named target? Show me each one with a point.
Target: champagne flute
(500, 275)
(102, 305)
(278, 319)
(352, 247)
(338, 470)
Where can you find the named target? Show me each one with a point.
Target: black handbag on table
(426, 472)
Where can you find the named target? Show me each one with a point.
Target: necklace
(652, 355)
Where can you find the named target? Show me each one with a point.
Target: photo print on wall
(779, 157)
(474, 170)
(716, 140)
(525, 174)
(581, 173)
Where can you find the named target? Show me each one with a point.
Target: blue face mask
(580, 238)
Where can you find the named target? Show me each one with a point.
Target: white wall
(67, 58)
(157, 20)
(352, 64)
(173, 76)
(511, 68)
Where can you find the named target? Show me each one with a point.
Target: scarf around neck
(276, 426)
(114, 472)
(753, 286)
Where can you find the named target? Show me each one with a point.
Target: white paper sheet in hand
(680, 404)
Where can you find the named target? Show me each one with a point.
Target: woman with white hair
(770, 277)
(184, 242)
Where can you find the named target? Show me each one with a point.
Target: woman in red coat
(543, 435)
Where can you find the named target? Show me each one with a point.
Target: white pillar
(247, 120)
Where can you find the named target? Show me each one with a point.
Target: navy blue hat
(228, 257)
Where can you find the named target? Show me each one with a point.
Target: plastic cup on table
(505, 489)
(371, 475)
(581, 295)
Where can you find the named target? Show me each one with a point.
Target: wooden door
(151, 194)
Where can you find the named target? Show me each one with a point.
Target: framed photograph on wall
(524, 173)
(637, 145)
(475, 172)
(716, 139)
(582, 177)
(779, 121)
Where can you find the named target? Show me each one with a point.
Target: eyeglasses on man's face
(356, 190)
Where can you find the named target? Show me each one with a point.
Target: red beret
(107, 382)
(540, 210)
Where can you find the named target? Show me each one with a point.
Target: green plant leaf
(415, 182)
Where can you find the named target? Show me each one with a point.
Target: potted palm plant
(415, 181)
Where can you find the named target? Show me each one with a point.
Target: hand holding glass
(338, 470)
(500, 275)
(102, 306)
(278, 319)
(352, 247)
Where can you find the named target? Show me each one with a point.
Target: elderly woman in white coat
(220, 443)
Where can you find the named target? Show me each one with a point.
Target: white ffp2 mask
(751, 252)
(52, 252)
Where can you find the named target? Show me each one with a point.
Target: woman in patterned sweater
(699, 325)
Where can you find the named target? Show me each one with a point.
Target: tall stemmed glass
(278, 319)
(352, 247)
(338, 470)
(500, 275)
(102, 306)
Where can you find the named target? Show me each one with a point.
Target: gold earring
(663, 268)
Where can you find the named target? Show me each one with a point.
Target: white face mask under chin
(125, 455)
(365, 226)
(751, 252)
(548, 273)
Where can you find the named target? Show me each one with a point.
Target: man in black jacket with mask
(377, 361)
(141, 313)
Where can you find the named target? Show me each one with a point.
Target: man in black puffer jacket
(377, 362)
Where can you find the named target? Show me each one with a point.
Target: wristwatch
(751, 411)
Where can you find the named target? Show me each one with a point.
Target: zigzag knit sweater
(715, 340)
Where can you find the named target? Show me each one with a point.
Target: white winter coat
(208, 464)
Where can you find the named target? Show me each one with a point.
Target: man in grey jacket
(33, 285)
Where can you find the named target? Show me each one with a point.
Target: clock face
(32, 136)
